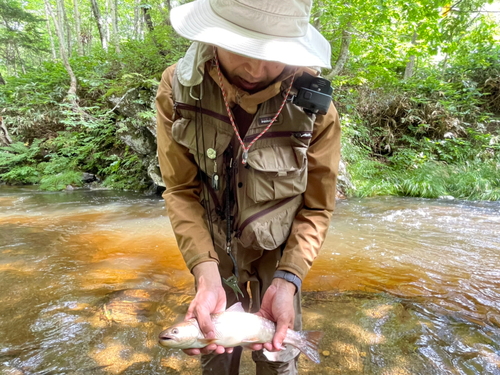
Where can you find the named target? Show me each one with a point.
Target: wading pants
(256, 268)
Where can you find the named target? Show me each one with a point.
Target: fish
(235, 327)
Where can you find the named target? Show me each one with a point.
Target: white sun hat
(271, 30)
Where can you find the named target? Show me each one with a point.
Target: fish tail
(309, 342)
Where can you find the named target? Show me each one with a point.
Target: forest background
(417, 85)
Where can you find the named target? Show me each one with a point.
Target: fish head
(180, 336)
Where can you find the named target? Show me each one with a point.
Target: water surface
(402, 286)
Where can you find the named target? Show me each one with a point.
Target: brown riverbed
(403, 286)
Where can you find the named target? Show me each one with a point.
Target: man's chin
(247, 86)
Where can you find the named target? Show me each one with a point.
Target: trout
(235, 327)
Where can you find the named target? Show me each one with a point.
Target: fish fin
(251, 340)
(237, 307)
(207, 341)
(309, 344)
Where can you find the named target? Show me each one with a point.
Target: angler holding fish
(249, 148)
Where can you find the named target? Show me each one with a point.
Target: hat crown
(283, 18)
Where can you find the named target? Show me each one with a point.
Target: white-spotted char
(235, 327)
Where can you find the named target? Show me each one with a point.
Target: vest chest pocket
(276, 172)
(202, 143)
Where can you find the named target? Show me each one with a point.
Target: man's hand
(277, 306)
(210, 299)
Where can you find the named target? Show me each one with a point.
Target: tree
(78, 28)
(49, 30)
(19, 32)
(100, 24)
(114, 21)
(64, 56)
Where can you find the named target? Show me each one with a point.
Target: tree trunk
(410, 65)
(100, 24)
(2, 81)
(5, 139)
(137, 16)
(64, 25)
(16, 49)
(147, 18)
(114, 19)
(344, 51)
(54, 56)
(64, 56)
(106, 19)
(78, 28)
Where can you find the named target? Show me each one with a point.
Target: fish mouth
(165, 338)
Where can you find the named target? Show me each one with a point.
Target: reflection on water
(403, 286)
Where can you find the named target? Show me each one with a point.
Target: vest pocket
(202, 144)
(270, 226)
(276, 172)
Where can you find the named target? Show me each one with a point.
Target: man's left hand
(277, 306)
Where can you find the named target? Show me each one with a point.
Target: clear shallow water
(403, 286)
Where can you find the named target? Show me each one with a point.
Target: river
(402, 286)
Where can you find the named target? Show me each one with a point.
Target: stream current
(402, 286)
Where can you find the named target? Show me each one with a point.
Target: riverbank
(434, 135)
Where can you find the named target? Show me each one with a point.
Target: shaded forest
(417, 85)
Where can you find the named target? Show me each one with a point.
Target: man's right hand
(210, 299)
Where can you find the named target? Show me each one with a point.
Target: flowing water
(402, 286)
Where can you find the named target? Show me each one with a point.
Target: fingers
(191, 351)
(255, 346)
(279, 336)
(212, 348)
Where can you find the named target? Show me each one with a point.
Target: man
(250, 174)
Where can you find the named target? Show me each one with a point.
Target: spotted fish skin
(235, 327)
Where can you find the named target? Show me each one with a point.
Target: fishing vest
(266, 193)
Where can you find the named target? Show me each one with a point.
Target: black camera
(314, 94)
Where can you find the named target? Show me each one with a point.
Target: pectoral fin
(251, 340)
(207, 341)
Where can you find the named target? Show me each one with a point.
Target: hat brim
(198, 22)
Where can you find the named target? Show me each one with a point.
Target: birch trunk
(54, 56)
(106, 19)
(100, 24)
(344, 52)
(64, 56)
(410, 65)
(64, 24)
(78, 28)
(114, 21)
(137, 20)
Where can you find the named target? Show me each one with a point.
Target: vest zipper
(192, 108)
(259, 214)
(279, 134)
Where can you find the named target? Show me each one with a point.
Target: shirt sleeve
(183, 187)
(311, 223)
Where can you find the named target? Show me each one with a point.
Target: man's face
(249, 74)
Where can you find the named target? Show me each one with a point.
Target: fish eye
(175, 331)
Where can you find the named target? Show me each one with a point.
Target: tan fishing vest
(267, 192)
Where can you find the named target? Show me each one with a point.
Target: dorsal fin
(237, 307)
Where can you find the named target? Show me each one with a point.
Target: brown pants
(256, 269)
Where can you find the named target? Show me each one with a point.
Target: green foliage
(60, 181)
(432, 135)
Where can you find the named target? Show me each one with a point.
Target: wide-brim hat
(271, 30)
